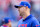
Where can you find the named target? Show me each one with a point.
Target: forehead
(22, 7)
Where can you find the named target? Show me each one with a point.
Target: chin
(21, 14)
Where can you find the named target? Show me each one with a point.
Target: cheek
(21, 10)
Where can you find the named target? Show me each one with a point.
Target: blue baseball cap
(6, 20)
(23, 3)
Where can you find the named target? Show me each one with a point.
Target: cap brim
(17, 6)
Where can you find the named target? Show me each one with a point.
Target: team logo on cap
(24, 5)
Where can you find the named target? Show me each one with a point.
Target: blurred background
(7, 9)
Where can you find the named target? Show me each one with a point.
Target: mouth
(21, 14)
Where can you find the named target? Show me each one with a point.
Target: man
(28, 20)
(6, 22)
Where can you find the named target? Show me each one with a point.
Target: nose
(18, 10)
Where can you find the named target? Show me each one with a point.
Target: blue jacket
(30, 21)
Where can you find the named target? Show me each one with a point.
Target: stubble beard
(22, 14)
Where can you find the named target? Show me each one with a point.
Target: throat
(25, 16)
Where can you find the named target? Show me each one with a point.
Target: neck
(26, 15)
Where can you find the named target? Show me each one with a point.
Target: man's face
(22, 10)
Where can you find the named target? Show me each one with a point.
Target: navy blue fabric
(6, 19)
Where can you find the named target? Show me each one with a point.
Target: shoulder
(35, 21)
(19, 22)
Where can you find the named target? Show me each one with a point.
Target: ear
(26, 7)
